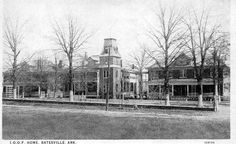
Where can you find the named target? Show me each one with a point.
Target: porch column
(187, 90)
(159, 89)
(98, 83)
(172, 90)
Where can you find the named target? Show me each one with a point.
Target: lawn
(43, 122)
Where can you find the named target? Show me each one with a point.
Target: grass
(33, 123)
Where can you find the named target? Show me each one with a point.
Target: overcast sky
(124, 20)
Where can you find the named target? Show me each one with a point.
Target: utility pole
(108, 79)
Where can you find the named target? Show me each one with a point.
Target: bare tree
(24, 76)
(139, 62)
(13, 37)
(70, 39)
(82, 72)
(56, 66)
(168, 38)
(219, 53)
(42, 72)
(200, 40)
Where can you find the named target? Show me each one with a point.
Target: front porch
(181, 91)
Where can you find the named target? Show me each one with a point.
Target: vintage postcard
(117, 71)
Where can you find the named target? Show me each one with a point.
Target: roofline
(110, 55)
(109, 39)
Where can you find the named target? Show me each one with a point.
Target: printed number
(209, 142)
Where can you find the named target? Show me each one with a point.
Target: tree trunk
(141, 86)
(219, 79)
(71, 96)
(218, 87)
(39, 92)
(23, 92)
(86, 84)
(54, 93)
(55, 87)
(167, 102)
(14, 93)
(14, 75)
(70, 81)
(166, 92)
(166, 88)
(215, 104)
(200, 93)
(14, 82)
(216, 98)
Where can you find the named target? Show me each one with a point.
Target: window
(176, 74)
(4, 89)
(117, 74)
(184, 73)
(105, 73)
(131, 87)
(92, 87)
(170, 74)
(9, 91)
(106, 50)
(116, 87)
(206, 73)
(160, 74)
(105, 88)
(153, 88)
(190, 73)
(208, 88)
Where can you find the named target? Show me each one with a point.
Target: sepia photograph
(116, 70)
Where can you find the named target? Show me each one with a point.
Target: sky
(125, 20)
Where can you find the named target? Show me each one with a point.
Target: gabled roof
(181, 61)
(94, 57)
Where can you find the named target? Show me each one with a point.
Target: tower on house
(115, 68)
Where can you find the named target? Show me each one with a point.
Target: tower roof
(110, 43)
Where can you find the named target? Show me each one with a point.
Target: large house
(182, 80)
(90, 78)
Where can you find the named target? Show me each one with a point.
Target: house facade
(182, 81)
(91, 78)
